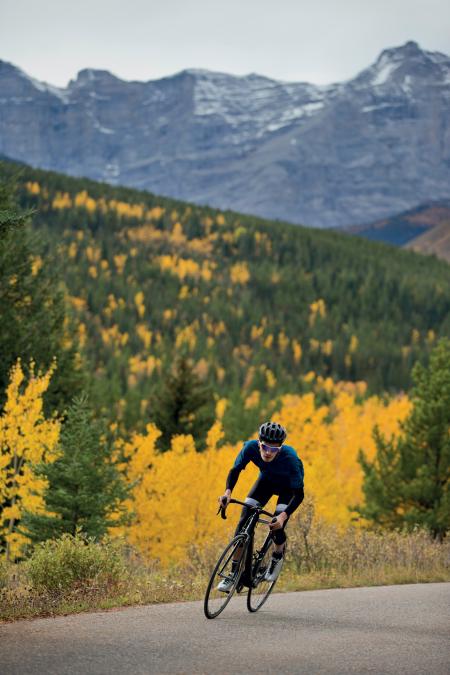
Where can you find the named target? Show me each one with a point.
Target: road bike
(251, 570)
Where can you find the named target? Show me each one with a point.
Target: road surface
(384, 630)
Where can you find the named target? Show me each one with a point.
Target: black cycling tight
(260, 494)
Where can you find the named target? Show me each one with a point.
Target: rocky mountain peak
(90, 77)
(352, 152)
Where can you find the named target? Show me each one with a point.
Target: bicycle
(251, 570)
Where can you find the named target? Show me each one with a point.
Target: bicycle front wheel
(260, 589)
(216, 600)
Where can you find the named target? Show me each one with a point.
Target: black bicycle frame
(249, 530)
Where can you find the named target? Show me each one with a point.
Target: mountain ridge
(327, 155)
(424, 229)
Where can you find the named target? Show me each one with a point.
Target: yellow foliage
(26, 438)
(112, 337)
(36, 264)
(83, 200)
(168, 314)
(353, 344)
(119, 261)
(221, 406)
(239, 273)
(33, 188)
(268, 342)
(178, 236)
(283, 342)
(140, 304)
(144, 334)
(126, 210)
(327, 347)
(317, 308)
(214, 436)
(297, 351)
(184, 292)
(82, 334)
(156, 213)
(252, 401)
(78, 303)
(256, 332)
(93, 254)
(187, 335)
(62, 200)
(270, 379)
(180, 267)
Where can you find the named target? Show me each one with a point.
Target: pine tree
(408, 481)
(32, 307)
(85, 489)
(183, 406)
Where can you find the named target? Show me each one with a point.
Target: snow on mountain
(324, 155)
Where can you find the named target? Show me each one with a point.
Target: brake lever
(222, 510)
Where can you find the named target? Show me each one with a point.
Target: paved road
(397, 629)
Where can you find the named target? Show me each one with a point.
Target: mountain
(324, 155)
(425, 229)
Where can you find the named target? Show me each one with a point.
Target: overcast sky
(318, 41)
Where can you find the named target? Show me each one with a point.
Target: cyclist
(281, 473)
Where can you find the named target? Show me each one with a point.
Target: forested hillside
(260, 308)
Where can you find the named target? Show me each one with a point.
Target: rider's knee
(279, 537)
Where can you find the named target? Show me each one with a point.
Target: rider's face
(268, 452)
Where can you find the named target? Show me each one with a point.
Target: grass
(318, 557)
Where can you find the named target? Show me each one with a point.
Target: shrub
(4, 574)
(71, 561)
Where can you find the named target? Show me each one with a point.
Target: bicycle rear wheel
(216, 601)
(260, 589)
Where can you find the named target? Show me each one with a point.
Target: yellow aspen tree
(26, 438)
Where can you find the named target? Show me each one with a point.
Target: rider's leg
(279, 536)
(279, 540)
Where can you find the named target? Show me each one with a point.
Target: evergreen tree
(85, 487)
(183, 406)
(32, 307)
(408, 481)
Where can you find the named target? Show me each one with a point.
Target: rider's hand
(278, 522)
(224, 500)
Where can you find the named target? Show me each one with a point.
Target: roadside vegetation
(72, 575)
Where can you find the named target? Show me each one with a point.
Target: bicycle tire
(254, 602)
(225, 558)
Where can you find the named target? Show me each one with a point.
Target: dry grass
(319, 556)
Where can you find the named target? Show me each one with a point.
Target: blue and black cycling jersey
(283, 474)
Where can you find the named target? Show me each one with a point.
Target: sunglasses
(268, 448)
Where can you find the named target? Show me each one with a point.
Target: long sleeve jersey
(286, 471)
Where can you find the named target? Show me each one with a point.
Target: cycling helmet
(271, 432)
